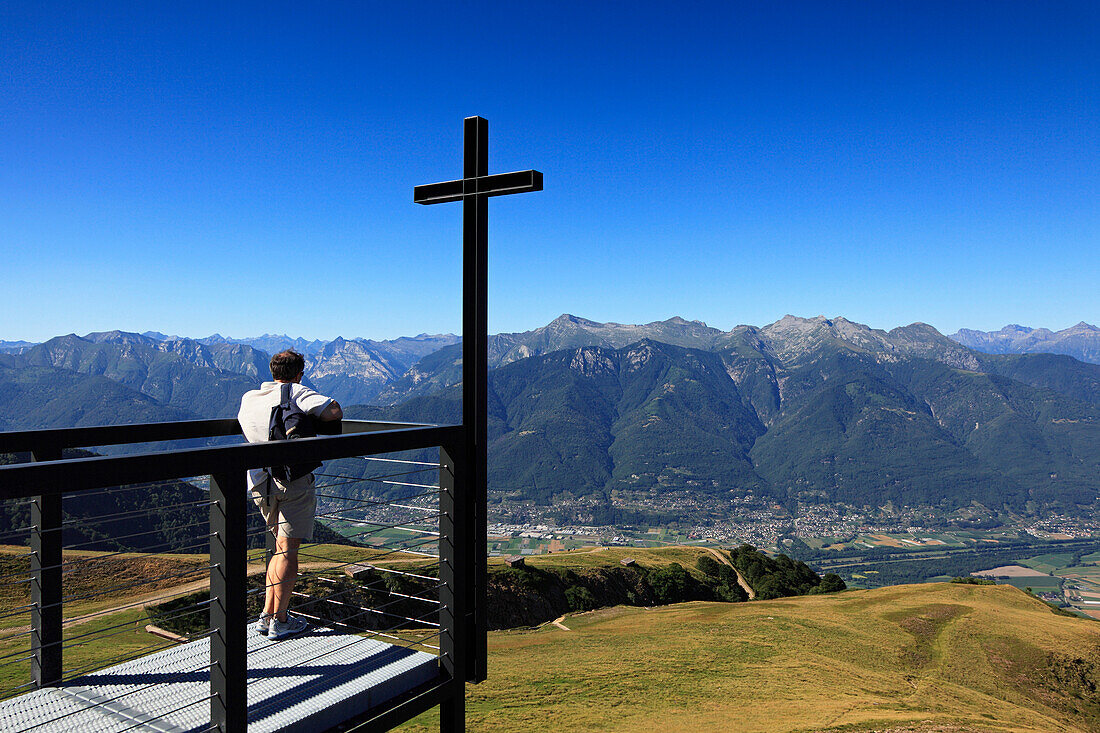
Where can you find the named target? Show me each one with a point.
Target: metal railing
(432, 607)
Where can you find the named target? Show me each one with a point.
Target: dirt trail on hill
(740, 580)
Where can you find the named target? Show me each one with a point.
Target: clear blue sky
(192, 168)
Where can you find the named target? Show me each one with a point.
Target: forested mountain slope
(801, 408)
(818, 409)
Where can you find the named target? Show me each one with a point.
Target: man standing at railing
(288, 505)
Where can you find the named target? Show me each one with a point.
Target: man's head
(287, 366)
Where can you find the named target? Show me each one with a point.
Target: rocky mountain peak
(678, 321)
(792, 338)
(117, 337)
(568, 319)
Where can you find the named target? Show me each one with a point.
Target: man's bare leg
(269, 584)
(282, 572)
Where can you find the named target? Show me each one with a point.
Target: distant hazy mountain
(15, 347)
(230, 357)
(567, 331)
(206, 376)
(803, 407)
(269, 343)
(1082, 341)
(403, 351)
(354, 371)
(203, 380)
(407, 350)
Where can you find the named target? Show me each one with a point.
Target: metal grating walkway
(306, 683)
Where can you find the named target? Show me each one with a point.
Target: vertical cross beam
(473, 190)
(46, 614)
(475, 374)
(228, 596)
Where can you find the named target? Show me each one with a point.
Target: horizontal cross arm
(496, 185)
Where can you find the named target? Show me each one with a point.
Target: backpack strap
(284, 398)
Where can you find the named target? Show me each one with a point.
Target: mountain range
(1082, 341)
(803, 409)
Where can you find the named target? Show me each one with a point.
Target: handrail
(24, 441)
(49, 478)
(27, 440)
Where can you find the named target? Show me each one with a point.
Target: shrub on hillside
(580, 598)
(971, 580)
(708, 565)
(779, 576)
(723, 579)
(830, 583)
(670, 583)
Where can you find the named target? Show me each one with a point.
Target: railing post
(228, 595)
(46, 613)
(456, 579)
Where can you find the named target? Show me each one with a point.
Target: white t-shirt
(255, 414)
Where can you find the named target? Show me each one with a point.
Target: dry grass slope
(925, 658)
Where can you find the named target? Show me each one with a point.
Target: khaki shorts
(288, 508)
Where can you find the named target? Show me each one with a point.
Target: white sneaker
(279, 630)
(263, 625)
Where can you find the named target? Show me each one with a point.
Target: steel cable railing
(132, 514)
(398, 517)
(86, 596)
(88, 616)
(311, 607)
(97, 558)
(90, 562)
(324, 599)
(194, 608)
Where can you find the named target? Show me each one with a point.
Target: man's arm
(331, 412)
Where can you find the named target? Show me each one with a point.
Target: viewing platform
(311, 682)
(388, 641)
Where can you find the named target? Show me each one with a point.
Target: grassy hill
(925, 658)
(940, 658)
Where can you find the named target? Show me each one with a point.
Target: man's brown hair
(287, 365)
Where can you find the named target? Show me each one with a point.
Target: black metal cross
(473, 190)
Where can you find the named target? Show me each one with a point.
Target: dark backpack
(288, 422)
